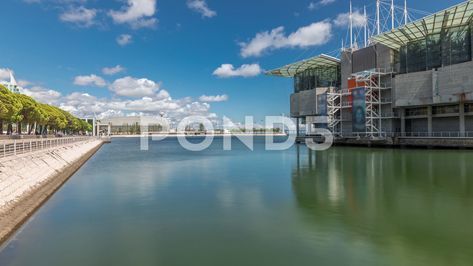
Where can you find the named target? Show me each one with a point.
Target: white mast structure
(12, 79)
(392, 15)
(351, 26)
(406, 18)
(11, 85)
(366, 26)
(378, 23)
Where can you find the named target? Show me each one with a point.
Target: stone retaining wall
(27, 181)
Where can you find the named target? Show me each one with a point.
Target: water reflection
(415, 206)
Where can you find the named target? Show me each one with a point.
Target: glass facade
(446, 109)
(469, 108)
(418, 111)
(452, 46)
(318, 77)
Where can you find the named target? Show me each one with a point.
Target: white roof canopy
(454, 16)
(12, 79)
(292, 69)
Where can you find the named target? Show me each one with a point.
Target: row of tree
(38, 118)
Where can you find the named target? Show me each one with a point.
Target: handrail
(23, 146)
(445, 134)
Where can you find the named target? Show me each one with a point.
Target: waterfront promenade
(31, 170)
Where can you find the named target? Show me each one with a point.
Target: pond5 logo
(275, 126)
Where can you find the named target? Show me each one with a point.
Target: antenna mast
(392, 15)
(351, 26)
(378, 26)
(405, 13)
(366, 26)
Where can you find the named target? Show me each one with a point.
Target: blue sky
(170, 52)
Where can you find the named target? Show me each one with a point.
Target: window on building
(469, 108)
(416, 55)
(456, 46)
(403, 60)
(418, 111)
(452, 46)
(316, 78)
(446, 109)
(434, 51)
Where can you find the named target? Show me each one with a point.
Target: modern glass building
(313, 79)
(416, 80)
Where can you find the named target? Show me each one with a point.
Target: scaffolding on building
(375, 81)
(334, 111)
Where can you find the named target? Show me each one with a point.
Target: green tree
(201, 127)
(21, 110)
(10, 108)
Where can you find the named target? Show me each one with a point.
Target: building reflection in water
(412, 204)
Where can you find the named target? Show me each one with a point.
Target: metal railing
(364, 135)
(467, 134)
(22, 146)
(463, 135)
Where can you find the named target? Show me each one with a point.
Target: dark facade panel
(346, 68)
(385, 58)
(304, 103)
(469, 124)
(417, 125)
(364, 59)
(445, 124)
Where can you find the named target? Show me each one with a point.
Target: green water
(167, 206)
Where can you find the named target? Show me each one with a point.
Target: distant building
(12, 85)
(127, 125)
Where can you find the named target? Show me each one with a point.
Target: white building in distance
(12, 85)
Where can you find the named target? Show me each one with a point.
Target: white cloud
(24, 83)
(137, 13)
(317, 33)
(228, 71)
(359, 20)
(151, 100)
(80, 16)
(86, 105)
(5, 74)
(43, 95)
(314, 5)
(124, 39)
(215, 98)
(90, 80)
(113, 70)
(326, 2)
(201, 7)
(133, 87)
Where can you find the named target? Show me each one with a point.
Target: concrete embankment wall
(28, 180)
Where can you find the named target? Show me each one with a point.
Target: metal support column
(403, 121)
(94, 122)
(98, 129)
(429, 120)
(462, 119)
